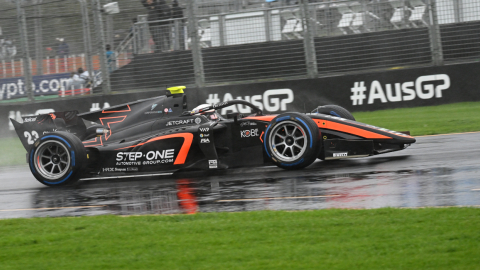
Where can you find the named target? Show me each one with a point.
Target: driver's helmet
(210, 114)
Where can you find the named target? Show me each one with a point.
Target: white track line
(471, 132)
(51, 208)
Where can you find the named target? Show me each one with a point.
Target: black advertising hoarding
(361, 92)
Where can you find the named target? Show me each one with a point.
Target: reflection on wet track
(424, 175)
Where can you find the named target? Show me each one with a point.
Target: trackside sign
(424, 87)
(43, 85)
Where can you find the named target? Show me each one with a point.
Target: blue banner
(42, 84)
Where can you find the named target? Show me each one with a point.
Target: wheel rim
(52, 160)
(288, 141)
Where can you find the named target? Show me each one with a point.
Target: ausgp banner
(42, 84)
(362, 92)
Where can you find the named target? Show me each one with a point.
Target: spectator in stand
(158, 10)
(111, 58)
(177, 14)
(7, 49)
(84, 77)
(74, 82)
(63, 49)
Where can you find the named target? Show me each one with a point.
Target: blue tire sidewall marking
(73, 158)
(334, 113)
(292, 164)
(265, 141)
(309, 132)
(57, 137)
(56, 183)
(32, 166)
(282, 118)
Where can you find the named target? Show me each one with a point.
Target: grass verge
(451, 118)
(442, 119)
(12, 152)
(445, 238)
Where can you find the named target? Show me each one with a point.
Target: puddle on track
(405, 188)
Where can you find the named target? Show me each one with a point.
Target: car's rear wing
(33, 127)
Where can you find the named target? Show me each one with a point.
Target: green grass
(442, 119)
(12, 152)
(451, 118)
(446, 238)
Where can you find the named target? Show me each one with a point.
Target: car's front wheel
(57, 159)
(292, 141)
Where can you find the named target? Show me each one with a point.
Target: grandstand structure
(234, 41)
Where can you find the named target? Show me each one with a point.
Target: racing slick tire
(334, 110)
(292, 141)
(57, 159)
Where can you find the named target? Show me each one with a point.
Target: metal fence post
(110, 27)
(96, 7)
(308, 41)
(87, 38)
(143, 34)
(458, 10)
(434, 34)
(268, 22)
(221, 29)
(195, 44)
(39, 38)
(22, 27)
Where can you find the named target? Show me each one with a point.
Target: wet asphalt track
(436, 171)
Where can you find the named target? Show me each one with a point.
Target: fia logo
(205, 140)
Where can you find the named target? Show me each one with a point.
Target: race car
(160, 135)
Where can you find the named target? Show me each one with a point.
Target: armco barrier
(361, 92)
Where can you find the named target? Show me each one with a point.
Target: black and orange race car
(158, 135)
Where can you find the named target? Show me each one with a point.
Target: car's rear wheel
(57, 159)
(334, 110)
(292, 141)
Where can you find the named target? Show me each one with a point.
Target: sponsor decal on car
(180, 122)
(128, 169)
(204, 135)
(206, 129)
(205, 140)
(198, 120)
(149, 158)
(29, 119)
(248, 123)
(340, 154)
(153, 112)
(212, 164)
(249, 133)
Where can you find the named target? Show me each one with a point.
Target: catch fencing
(211, 42)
